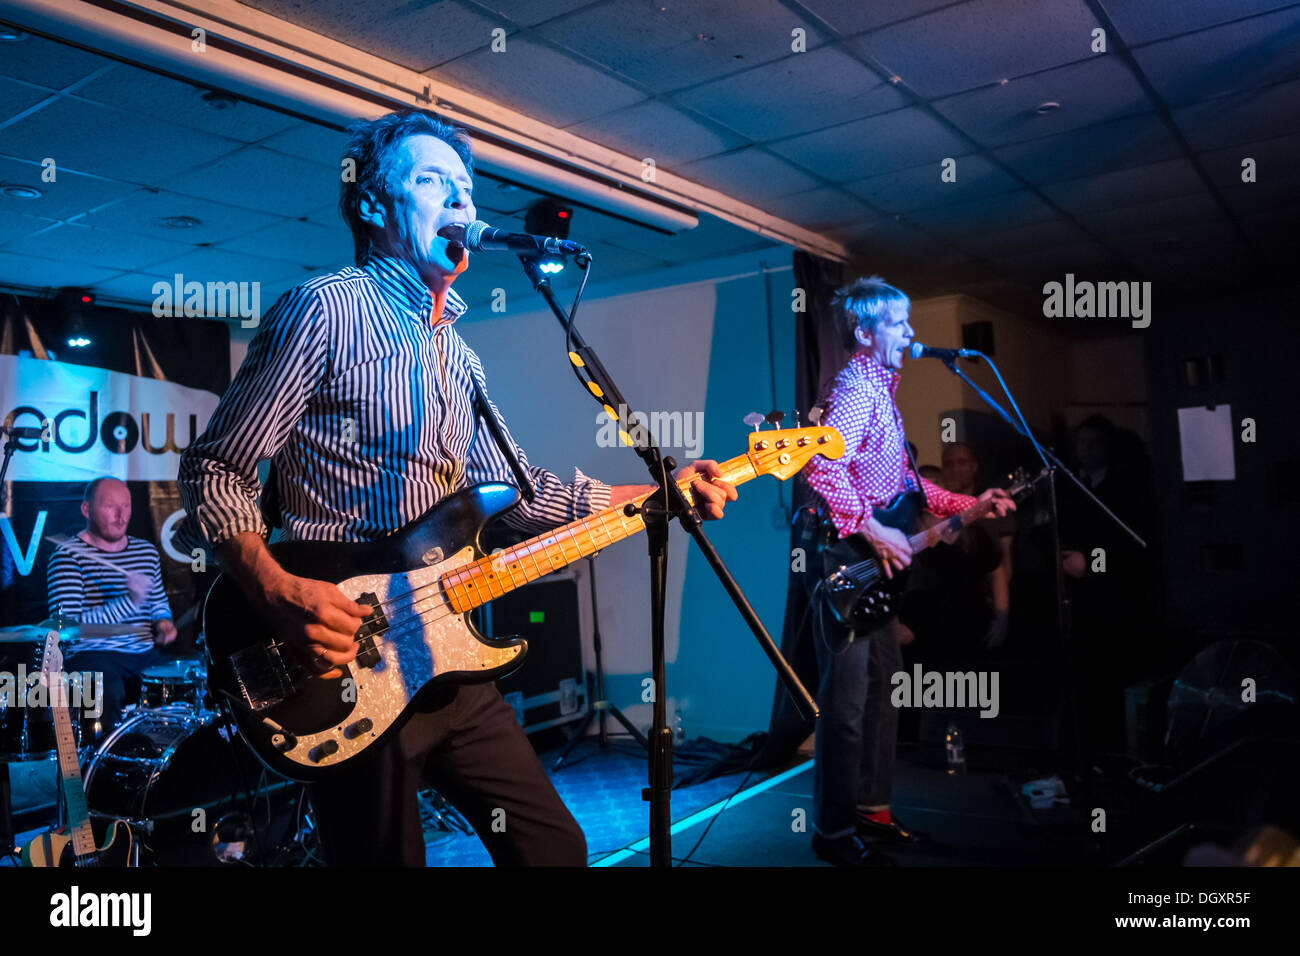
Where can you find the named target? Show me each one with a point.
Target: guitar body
(858, 591)
(54, 848)
(302, 725)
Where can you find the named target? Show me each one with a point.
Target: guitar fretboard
(74, 794)
(493, 576)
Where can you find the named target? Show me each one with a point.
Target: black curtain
(819, 353)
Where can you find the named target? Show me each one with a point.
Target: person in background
(83, 587)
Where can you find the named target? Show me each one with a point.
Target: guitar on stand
(72, 845)
(858, 591)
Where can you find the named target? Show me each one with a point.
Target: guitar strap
(484, 412)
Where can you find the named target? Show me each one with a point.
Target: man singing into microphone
(857, 734)
(360, 391)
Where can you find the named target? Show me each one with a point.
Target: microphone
(478, 236)
(916, 350)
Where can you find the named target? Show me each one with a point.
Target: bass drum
(179, 780)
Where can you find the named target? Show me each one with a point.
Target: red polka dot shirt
(874, 466)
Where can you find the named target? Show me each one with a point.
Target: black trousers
(857, 736)
(470, 748)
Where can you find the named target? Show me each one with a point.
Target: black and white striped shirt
(364, 403)
(86, 591)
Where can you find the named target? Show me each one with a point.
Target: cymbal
(22, 633)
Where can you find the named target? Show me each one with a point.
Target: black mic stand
(1051, 465)
(666, 503)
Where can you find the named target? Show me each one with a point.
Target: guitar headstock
(783, 452)
(52, 659)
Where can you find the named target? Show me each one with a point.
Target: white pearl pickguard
(426, 638)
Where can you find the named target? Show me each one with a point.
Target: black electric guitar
(73, 845)
(857, 589)
(422, 582)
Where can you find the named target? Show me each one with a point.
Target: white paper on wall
(1206, 438)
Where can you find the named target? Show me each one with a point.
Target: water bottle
(956, 749)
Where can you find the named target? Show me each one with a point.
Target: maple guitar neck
(491, 577)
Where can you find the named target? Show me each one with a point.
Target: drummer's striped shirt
(363, 400)
(86, 591)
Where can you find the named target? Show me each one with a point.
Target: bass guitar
(421, 583)
(74, 844)
(857, 590)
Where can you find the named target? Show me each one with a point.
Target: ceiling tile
(286, 186)
(981, 42)
(750, 175)
(985, 213)
(216, 265)
(669, 44)
(1239, 56)
(657, 130)
(69, 195)
(878, 144)
(540, 82)
(1277, 173)
(310, 141)
(802, 92)
(532, 12)
(853, 16)
(89, 138)
(16, 97)
(1137, 184)
(416, 34)
(47, 63)
(1141, 21)
(102, 247)
(16, 226)
(181, 104)
(819, 208)
(1241, 117)
(46, 273)
(1089, 92)
(922, 187)
(141, 213)
(317, 247)
(1138, 217)
(1134, 141)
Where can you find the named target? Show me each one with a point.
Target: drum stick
(62, 543)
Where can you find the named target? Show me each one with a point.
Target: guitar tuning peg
(796, 419)
(774, 417)
(755, 419)
(815, 414)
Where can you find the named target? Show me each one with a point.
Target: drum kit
(173, 768)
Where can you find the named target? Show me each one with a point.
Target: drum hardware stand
(600, 709)
(657, 511)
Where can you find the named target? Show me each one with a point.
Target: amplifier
(551, 687)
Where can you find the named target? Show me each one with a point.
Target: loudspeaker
(551, 687)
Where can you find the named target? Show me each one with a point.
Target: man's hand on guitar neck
(996, 502)
(311, 614)
(890, 544)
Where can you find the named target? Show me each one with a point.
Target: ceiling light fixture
(1051, 106)
(14, 191)
(10, 34)
(178, 222)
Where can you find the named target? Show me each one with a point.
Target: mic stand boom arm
(666, 503)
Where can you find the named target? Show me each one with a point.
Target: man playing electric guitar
(362, 393)
(857, 733)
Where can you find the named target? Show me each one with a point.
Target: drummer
(85, 590)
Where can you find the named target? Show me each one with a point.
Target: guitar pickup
(374, 624)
